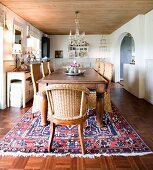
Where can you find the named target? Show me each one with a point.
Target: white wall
(136, 28)
(149, 80)
(6, 54)
(141, 28)
(60, 42)
(1, 69)
(149, 35)
(148, 54)
(131, 83)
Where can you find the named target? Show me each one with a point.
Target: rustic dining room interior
(76, 84)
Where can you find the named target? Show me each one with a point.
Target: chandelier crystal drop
(77, 39)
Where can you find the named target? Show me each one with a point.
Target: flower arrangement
(74, 64)
(73, 67)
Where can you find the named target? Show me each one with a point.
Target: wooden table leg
(99, 108)
(44, 109)
(101, 88)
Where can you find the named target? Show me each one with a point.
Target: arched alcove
(127, 52)
(132, 78)
(117, 55)
(117, 44)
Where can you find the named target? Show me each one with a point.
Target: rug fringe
(18, 154)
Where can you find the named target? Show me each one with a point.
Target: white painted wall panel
(149, 35)
(149, 80)
(136, 28)
(61, 42)
(131, 82)
(6, 58)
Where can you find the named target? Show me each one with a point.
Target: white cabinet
(131, 79)
(19, 88)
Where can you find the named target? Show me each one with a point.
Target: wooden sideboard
(26, 86)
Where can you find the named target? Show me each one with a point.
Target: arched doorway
(127, 52)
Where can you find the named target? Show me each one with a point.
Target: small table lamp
(17, 50)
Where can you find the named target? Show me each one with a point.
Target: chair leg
(52, 132)
(43, 109)
(111, 114)
(80, 131)
(33, 115)
(84, 124)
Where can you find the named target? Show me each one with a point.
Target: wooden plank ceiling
(95, 16)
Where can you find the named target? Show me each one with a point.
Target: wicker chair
(44, 68)
(38, 103)
(47, 68)
(101, 68)
(67, 106)
(97, 65)
(50, 67)
(108, 72)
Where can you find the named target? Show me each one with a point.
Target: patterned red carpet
(116, 138)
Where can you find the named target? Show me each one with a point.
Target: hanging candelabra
(77, 39)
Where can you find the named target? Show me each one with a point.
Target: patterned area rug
(116, 137)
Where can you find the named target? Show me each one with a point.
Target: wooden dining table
(90, 79)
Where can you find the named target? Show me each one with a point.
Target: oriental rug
(116, 137)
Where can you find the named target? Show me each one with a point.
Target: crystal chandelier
(77, 39)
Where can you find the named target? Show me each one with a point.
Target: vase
(71, 70)
(75, 70)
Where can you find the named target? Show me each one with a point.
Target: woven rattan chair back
(38, 103)
(35, 75)
(101, 68)
(50, 67)
(44, 68)
(97, 65)
(108, 72)
(68, 106)
(67, 101)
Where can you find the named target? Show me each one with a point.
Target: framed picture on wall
(59, 54)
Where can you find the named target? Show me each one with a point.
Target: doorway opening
(127, 54)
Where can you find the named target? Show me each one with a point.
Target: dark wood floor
(139, 114)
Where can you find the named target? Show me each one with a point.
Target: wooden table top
(88, 77)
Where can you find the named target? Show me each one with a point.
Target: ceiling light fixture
(77, 39)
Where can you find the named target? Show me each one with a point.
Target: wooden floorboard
(139, 114)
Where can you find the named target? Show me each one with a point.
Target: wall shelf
(78, 51)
